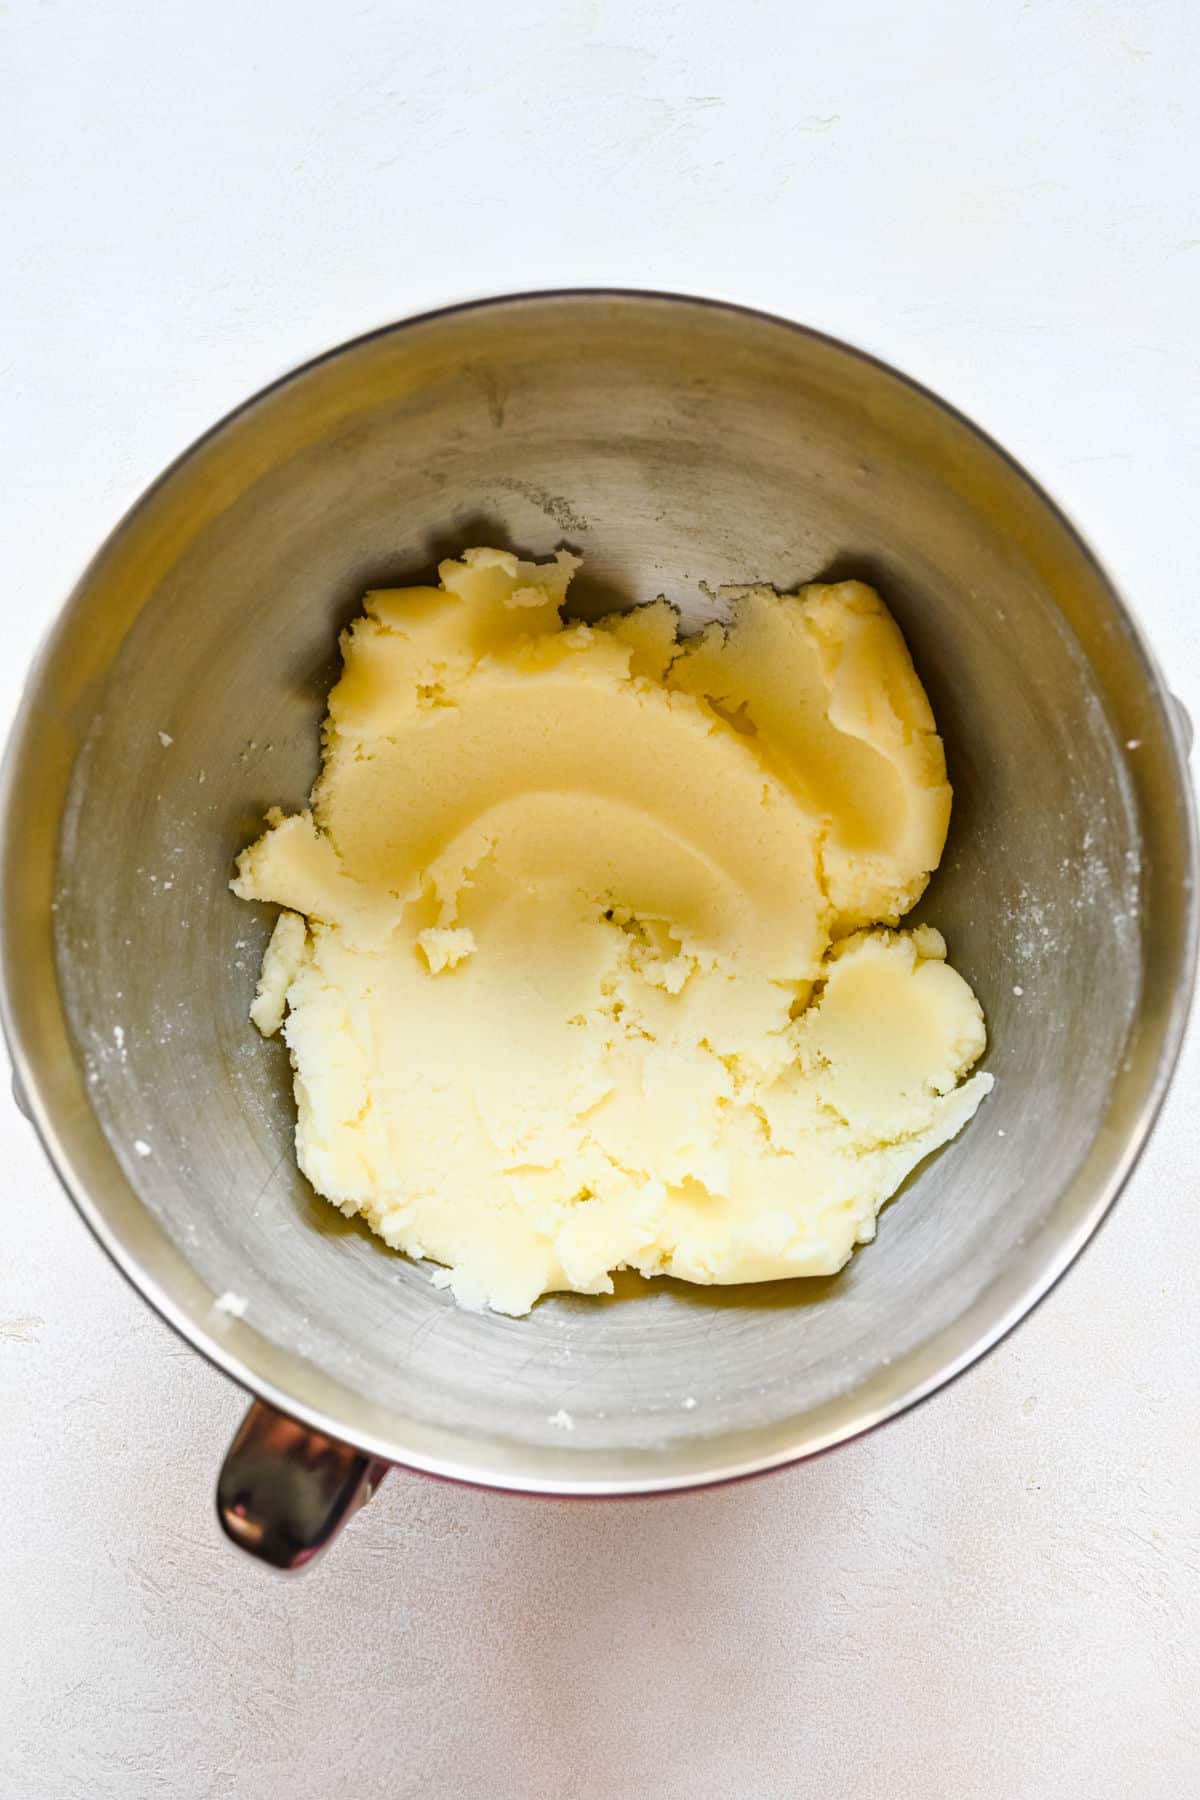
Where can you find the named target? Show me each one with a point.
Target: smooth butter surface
(569, 891)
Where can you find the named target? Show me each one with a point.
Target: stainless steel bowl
(671, 441)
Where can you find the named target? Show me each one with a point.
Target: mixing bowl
(672, 442)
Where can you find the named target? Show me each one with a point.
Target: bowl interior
(672, 444)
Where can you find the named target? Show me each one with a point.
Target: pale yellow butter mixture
(589, 958)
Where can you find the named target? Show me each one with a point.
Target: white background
(997, 1598)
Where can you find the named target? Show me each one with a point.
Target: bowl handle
(285, 1492)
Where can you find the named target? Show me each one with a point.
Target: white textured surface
(997, 1598)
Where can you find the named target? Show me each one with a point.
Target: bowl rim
(932, 1364)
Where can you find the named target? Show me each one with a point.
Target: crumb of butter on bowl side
(589, 957)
